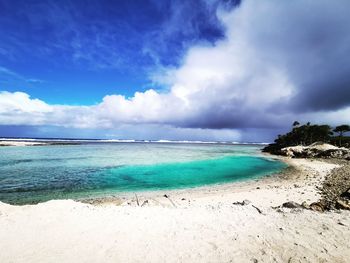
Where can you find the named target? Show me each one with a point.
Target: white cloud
(21, 102)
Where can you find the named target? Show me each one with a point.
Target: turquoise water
(41, 173)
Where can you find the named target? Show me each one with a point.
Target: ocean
(35, 174)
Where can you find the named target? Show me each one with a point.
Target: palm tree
(341, 129)
(296, 123)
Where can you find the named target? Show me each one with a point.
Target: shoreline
(209, 224)
(282, 180)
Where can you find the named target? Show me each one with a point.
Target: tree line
(308, 133)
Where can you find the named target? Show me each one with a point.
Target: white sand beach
(196, 225)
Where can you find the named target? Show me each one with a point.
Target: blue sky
(76, 52)
(185, 70)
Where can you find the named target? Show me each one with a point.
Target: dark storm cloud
(310, 40)
(306, 42)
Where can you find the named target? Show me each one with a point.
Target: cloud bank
(279, 61)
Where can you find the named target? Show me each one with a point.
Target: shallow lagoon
(41, 173)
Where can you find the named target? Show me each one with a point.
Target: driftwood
(171, 201)
(144, 203)
(258, 209)
(137, 200)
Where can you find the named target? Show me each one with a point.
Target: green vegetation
(309, 133)
(341, 129)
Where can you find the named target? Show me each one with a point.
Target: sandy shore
(196, 225)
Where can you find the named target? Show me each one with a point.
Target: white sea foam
(127, 141)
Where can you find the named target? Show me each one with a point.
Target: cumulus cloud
(279, 61)
(19, 108)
